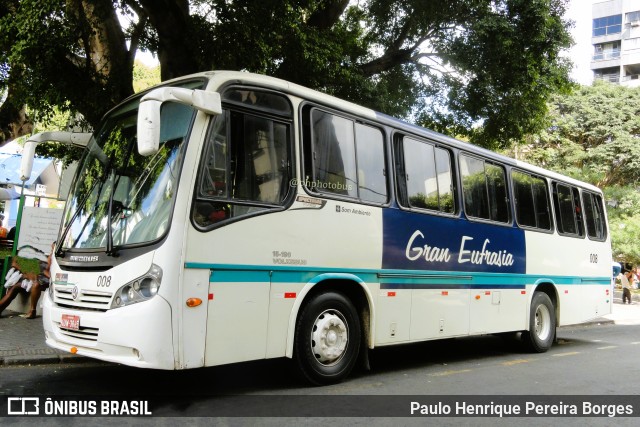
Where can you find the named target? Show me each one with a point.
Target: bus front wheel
(327, 338)
(542, 324)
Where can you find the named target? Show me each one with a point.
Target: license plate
(70, 321)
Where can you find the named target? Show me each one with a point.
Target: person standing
(625, 281)
(30, 283)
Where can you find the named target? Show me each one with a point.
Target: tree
(624, 222)
(144, 76)
(593, 135)
(480, 68)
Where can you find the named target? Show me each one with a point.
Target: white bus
(226, 217)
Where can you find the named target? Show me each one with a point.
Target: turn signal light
(74, 350)
(194, 302)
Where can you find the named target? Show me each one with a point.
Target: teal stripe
(390, 278)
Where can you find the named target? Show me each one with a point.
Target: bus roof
(222, 78)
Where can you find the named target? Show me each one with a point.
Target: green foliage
(480, 69)
(56, 119)
(421, 200)
(506, 58)
(47, 47)
(624, 222)
(442, 203)
(593, 135)
(144, 76)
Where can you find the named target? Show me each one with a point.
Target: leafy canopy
(476, 68)
(593, 135)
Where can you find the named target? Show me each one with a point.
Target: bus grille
(85, 300)
(84, 333)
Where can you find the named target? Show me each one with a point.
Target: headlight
(140, 289)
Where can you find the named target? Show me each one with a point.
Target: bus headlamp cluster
(140, 289)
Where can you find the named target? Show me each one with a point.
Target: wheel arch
(351, 286)
(549, 288)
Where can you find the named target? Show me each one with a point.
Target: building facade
(615, 38)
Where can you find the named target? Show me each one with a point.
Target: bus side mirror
(150, 109)
(26, 164)
(149, 127)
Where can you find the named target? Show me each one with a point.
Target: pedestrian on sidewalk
(29, 283)
(626, 278)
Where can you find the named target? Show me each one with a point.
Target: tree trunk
(171, 20)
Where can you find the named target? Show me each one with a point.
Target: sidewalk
(22, 340)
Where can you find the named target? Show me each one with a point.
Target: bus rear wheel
(327, 338)
(542, 324)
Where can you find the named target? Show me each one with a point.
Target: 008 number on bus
(104, 281)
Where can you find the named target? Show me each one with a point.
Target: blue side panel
(414, 241)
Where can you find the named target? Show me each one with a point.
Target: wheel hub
(542, 322)
(329, 337)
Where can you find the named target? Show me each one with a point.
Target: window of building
(531, 197)
(594, 216)
(633, 17)
(631, 72)
(607, 25)
(608, 74)
(566, 200)
(632, 43)
(484, 188)
(426, 176)
(606, 51)
(345, 158)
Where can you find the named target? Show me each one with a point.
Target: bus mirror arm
(150, 107)
(77, 139)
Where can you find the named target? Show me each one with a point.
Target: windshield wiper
(117, 173)
(110, 250)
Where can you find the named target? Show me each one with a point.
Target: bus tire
(327, 338)
(542, 324)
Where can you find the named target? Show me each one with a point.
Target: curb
(599, 321)
(41, 359)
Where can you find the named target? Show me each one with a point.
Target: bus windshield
(120, 198)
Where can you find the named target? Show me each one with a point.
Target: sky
(579, 11)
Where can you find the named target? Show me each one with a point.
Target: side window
(474, 187)
(484, 189)
(245, 167)
(427, 176)
(345, 158)
(531, 201)
(334, 154)
(497, 187)
(594, 216)
(372, 180)
(566, 200)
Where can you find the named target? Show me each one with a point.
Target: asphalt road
(597, 360)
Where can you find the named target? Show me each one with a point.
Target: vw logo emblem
(74, 293)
